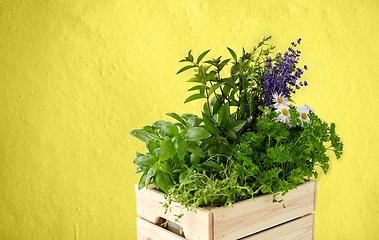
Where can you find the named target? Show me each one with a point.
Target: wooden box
(248, 220)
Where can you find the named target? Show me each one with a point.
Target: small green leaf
(181, 147)
(142, 181)
(236, 125)
(145, 160)
(213, 166)
(156, 152)
(233, 103)
(187, 116)
(223, 116)
(143, 135)
(151, 145)
(230, 82)
(158, 124)
(165, 168)
(202, 56)
(194, 97)
(138, 170)
(214, 87)
(186, 68)
(184, 175)
(196, 150)
(216, 103)
(209, 125)
(230, 133)
(211, 76)
(226, 90)
(151, 173)
(155, 183)
(212, 62)
(138, 154)
(194, 79)
(197, 133)
(195, 159)
(176, 160)
(169, 129)
(203, 71)
(167, 149)
(206, 110)
(194, 121)
(149, 129)
(163, 180)
(233, 54)
(177, 117)
(223, 64)
(197, 87)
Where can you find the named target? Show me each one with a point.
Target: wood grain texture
(251, 216)
(299, 229)
(196, 225)
(149, 231)
(229, 223)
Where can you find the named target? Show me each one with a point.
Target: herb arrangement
(250, 140)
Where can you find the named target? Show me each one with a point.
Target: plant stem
(209, 109)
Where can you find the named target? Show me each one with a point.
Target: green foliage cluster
(237, 149)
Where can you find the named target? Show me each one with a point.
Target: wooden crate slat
(299, 229)
(149, 231)
(314, 205)
(244, 219)
(251, 216)
(196, 225)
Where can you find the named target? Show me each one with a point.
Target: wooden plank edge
(195, 225)
(149, 231)
(221, 216)
(314, 208)
(283, 231)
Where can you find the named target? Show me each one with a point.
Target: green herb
(250, 139)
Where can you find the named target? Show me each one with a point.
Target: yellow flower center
(284, 111)
(280, 100)
(304, 116)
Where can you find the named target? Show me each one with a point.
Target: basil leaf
(143, 135)
(167, 149)
(181, 147)
(177, 117)
(163, 180)
(197, 133)
(196, 150)
(169, 129)
(194, 121)
(142, 181)
(145, 160)
(213, 166)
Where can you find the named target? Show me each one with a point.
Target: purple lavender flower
(282, 74)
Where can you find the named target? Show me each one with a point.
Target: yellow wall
(77, 75)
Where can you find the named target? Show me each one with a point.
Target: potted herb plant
(251, 142)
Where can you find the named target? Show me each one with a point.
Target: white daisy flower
(279, 99)
(304, 112)
(284, 116)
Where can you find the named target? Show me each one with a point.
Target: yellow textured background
(77, 75)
